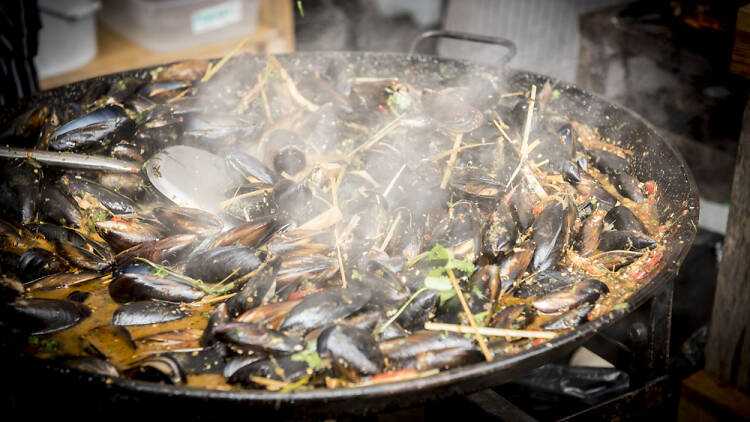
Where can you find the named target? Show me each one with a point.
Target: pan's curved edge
(373, 398)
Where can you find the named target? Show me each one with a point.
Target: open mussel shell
(42, 316)
(162, 368)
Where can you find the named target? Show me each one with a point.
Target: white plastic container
(167, 25)
(67, 39)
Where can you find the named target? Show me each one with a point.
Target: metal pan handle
(463, 36)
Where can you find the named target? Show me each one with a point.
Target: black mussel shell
(322, 308)
(42, 316)
(421, 309)
(514, 317)
(625, 240)
(113, 201)
(93, 130)
(353, 351)
(58, 207)
(283, 368)
(247, 337)
(260, 288)
(569, 319)
(188, 220)
(125, 234)
(147, 312)
(36, 263)
(215, 265)
(19, 190)
(250, 169)
(569, 297)
(609, 163)
(499, 232)
(628, 187)
(622, 218)
(421, 342)
(551, 233)
(91, 365)
(131, 287)
(167, 251)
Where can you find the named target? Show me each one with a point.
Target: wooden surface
(274, 33)
(728, 347)
(704, 398)
(740, 64)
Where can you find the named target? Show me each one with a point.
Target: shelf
(273, 34)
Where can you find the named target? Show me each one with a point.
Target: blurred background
(672, 62)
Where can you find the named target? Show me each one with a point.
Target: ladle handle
(463, 36)
(75, 161)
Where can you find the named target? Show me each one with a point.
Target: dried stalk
(451, 160)
(325, 219)
(526, 132)
(488, 331)
(385, 130)
(474, 326)
(335, 194)
(390, 233)
(266, 107)
(393, 181)
(291, 86)
(213, 69)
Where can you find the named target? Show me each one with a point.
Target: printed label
(216, 17)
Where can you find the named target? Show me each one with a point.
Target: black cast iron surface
(653, 159)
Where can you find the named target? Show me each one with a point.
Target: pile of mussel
(355, 200)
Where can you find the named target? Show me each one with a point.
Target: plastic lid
(69, 9)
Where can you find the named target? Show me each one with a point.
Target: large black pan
(652, 159)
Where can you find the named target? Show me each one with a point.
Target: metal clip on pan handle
(442, 33)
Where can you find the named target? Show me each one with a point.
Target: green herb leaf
(299, 7)
(309, 355)
(438, 282)
(479, 318)
(356, 275)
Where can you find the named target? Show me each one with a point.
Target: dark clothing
(19, 42)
